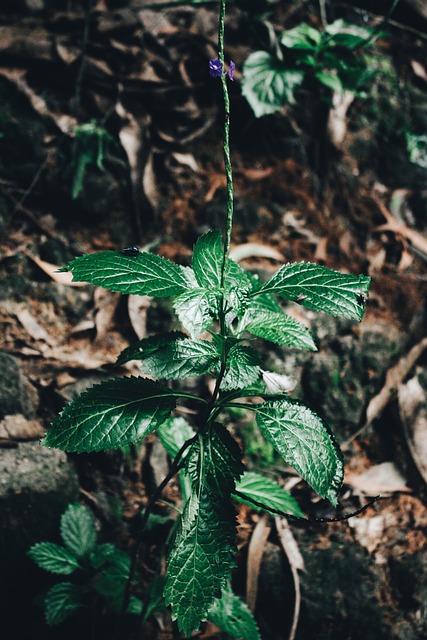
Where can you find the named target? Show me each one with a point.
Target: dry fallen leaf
(369, 531)
(33, 328)
(254, 250)
(384, 479)
(412, 407)
(255, 552)
(62, 277)
(296, 563)
(137, 308)
(105, 307)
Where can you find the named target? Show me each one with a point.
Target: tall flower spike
(215, 68)
(230, 71)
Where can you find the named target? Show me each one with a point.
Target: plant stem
(172, 472)
(226, 141)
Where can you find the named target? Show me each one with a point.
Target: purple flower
(215, 68)
(230, 71)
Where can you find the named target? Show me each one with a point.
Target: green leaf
(181, 359)
(237, 286)
(233, 616)
(259, 304)
(154, 597)
(61, 601)
(144, 273)
(78, 530)
(54, 558)
(144, 348)
(103, 554)
(196, 310)
(207, 259)
(348, 35)
(242, 368)
(320, 289)
(267, 85)
(201, 559)
(301, 37)
(222, 460)
(111, 415)
(330, 80)
(301, 438)
(173, 434)
(263, 494)
(112, 580)
(282, 329)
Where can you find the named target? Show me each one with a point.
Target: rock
(17, 395)
(36, 485)
(19, 428)
(341, 592)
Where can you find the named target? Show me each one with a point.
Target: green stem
(134, 560)
(226, 141)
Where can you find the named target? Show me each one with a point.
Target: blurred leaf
(78, 530)
(61, 601)
(267, 84)
(54, 558)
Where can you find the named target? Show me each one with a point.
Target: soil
(359, 208)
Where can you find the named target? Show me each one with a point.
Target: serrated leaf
(208, 257)
(54, 558)
(242, 368)
(61, 601)
(144, 348)
(181, 359)
(233, 616)
(143, 274)
(78, 530)
(303, 441)
(321, 289)
(201, 558)
(267, 84)
(263, 494)
(222, 460)
(111, 415)
(282, 329)
(237, 286)
(196, 310)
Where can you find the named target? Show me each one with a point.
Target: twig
(394, 377)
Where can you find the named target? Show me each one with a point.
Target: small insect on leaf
(362, 299)
(131, 250)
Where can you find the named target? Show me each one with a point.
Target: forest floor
(160, 184)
